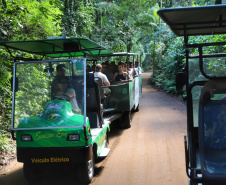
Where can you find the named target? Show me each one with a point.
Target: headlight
(73, 137)
(26, 137)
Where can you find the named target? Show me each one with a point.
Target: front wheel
(127, 119)
(86, 170)
(191, 182)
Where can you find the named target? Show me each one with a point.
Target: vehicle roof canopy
(121, 54)
(59, 47)
(200, 20)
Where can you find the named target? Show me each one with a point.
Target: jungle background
(119, 25)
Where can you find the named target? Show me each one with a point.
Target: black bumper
(54, 155)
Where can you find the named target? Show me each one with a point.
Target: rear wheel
(127, 119)
(86, 170)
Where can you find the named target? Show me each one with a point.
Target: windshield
(50, 93)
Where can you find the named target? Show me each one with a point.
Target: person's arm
(111, 76)
(129, 78)
(105, 81)
(114, 76)
(210, 85)
(135, 72)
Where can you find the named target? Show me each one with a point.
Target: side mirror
(16, 84)
(181, 79)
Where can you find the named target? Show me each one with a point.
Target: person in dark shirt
(121, 76)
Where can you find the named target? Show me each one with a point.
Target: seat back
(100, 86)
(93, 104)
(212, 139)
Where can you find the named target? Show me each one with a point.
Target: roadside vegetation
(120, 25)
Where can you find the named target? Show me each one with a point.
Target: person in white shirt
(100, 75)
(105, 81)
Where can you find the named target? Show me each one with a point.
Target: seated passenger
(64, 90)
(113, 67)
(105, 81)
(121, 76)
(60, 70)
(88, 69)
(210, 85)
(100, 75)
(138, 69)
(107, 72)
(132, 70)
(126, 70)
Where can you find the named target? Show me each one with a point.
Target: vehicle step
(104, 152)
(109, 110)
(112, 117)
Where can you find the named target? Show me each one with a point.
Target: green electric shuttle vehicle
(58, 117)
(125, 97)
(205, 143)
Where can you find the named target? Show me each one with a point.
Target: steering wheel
(63, 97)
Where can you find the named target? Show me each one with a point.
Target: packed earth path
(151, 152)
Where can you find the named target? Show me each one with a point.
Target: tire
(127, 119)
(192, 183)
(32, 173)
(86, 171)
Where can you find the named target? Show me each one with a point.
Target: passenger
(60, 70)
(88, 69)
(104, 79)
(63, 90)
(209, 86)
(126, 70)
(100, 75)
(132, 70)
(138, 69)
(93, 68)
(121, 76)
(107, 72)
(113, 68)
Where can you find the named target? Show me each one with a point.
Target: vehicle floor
(151, 152)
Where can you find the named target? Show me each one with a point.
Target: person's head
(125, 67)
(93, 68)
(131, 65)
(113, 63)
(120, 68)
(61, 70)
(105, 67)
(88, 68)
(62, 84)
(98, 68)
(136, 64)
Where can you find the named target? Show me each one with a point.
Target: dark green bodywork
(123, 95)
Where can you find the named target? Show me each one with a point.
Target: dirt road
(151, 152)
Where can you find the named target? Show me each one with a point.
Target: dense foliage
(120, 25)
